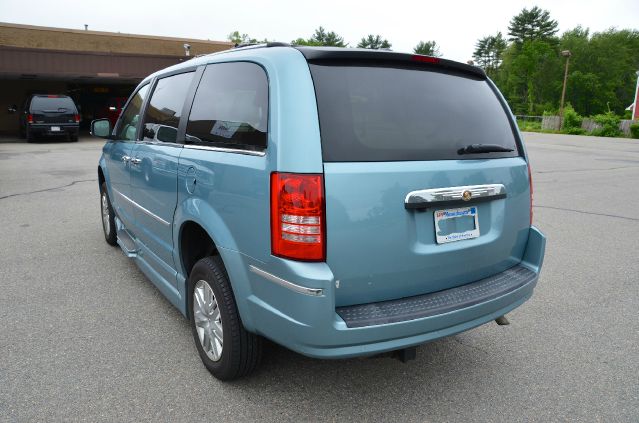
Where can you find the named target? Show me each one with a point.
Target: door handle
(136, 161)
(126, 158)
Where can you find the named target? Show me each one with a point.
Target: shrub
(573, 131)
(634, 130)
(529, 125)
(609, 125)
(572, 121)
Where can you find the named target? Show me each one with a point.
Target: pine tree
(427, 48)
(374, 42)
(533, 24)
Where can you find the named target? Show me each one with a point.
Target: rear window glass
(52, 103)
(393, 113)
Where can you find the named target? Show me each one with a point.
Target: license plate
(456, 224)
(55, 128)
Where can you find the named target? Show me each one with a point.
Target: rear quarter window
(373, 112)
(230, 108)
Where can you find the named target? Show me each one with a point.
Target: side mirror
(101, 128)
(12, 109)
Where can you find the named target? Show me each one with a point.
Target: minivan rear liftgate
(426, 183)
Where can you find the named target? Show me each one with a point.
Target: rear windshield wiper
(484, 148)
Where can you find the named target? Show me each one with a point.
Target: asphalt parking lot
(85, 337)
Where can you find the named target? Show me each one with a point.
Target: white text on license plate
(456, 224)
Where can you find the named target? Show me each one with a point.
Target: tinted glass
(230, 108)
(131, 115)
(165, 108)
(52, 104)
(376, 113)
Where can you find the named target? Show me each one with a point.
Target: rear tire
(28, 135)
(214, 317)
(108, 217)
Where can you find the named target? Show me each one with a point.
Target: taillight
(30, 118)
(297, 216)
(531, 193)
(77, 118)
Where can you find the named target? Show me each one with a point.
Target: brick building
(98, 69)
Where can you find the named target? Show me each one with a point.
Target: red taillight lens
(30, 118)
(77, 118)
(424, 59)
(297, 216)
(530, 182)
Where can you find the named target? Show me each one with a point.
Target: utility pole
(635, 105)
(566, 54)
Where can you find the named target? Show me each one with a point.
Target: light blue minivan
(339, 202)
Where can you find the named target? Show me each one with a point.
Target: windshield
(369, 112)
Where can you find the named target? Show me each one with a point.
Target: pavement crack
(47, 189)
(585, 170)
(634, 219)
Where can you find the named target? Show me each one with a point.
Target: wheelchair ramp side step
(127, 243)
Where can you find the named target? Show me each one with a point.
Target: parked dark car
(49, 116)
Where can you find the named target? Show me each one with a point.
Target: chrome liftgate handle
(427, 198)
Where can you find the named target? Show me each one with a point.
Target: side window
(163, 113)
(230, 108)
(130, 116)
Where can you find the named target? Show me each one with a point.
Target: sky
(454, 25)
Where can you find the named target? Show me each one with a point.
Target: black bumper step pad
(435, 303)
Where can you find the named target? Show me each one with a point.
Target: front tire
(108, 217)
(227, 350)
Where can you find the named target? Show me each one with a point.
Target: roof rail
(267, 44)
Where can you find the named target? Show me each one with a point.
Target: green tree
(427, 48)
(614, 58)
(488, 53)
(236, 38)
(533, 24)
(321, 38)
(530, 76)
(374, 42)
(602, 69)
(601, 75)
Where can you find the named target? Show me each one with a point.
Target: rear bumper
(311, 325)
(45, 129)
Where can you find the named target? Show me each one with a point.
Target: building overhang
(80, 66)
